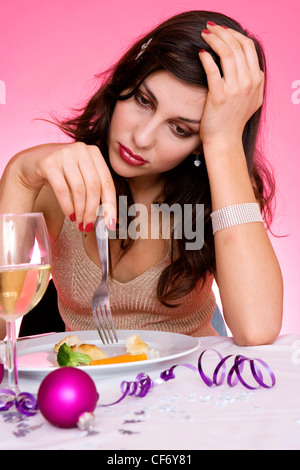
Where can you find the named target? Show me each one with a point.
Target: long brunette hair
(173, 46)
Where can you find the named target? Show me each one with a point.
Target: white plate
(36, 357)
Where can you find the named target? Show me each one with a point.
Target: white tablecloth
(183, 413)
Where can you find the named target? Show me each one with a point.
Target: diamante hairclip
(143, 48)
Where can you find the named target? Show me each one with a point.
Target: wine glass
(25, 265)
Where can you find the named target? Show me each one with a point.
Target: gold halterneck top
(134, 304)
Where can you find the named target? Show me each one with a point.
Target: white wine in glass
(25, 265)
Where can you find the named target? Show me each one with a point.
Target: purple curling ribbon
(258, 376)
(236, 370)
(256, 373)
(169, 373)
(144, 384)
(137, 388)
(221, 366)
(4, 406)
(25, 403)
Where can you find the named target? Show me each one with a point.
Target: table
(183, 413)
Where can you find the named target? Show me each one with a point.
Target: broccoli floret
(68, 358)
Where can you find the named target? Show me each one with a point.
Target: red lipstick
(129, 157)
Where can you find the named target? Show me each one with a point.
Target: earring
(197, 161)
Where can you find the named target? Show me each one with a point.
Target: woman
(175, 122)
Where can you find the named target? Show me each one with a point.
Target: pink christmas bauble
(65, 394)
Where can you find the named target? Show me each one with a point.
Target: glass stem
(11, 357)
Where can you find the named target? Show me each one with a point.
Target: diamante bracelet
(235, 215)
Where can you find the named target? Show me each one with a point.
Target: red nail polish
(89, 227)
(202, 50)
(72, 217)
(211, 23)
(225, 27)
(112, 224)
(205, 31)
(80, 227)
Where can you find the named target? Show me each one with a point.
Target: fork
(100, 301)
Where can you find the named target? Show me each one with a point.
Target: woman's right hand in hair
(77, 174)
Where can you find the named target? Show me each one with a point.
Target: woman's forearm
(15, 196)
(248, 273)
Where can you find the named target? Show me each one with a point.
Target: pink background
(51, 50)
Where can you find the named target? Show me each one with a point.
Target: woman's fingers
(234, 93)
(249, 50)
(227, 52)
(56, 179)
(97, 188)
(237, 54)
(214, 79)
(81, 181)
(87, 190)
(107, 188)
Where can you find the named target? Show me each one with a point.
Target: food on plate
(119, 359)
(71, 352)
(68, 358)
(78, 346)
(135, 345)
(91, 350)
(70, 340)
